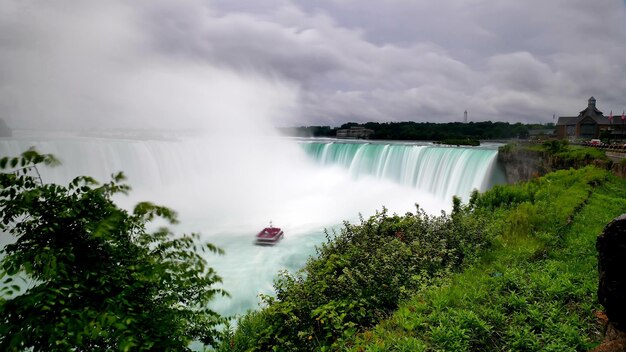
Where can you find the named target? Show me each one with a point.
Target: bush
(95, 278)
(534, 290)
(507, 148)
(578, 157)
(556, 146)
(530, 291)
(504, 196)
(358, 278)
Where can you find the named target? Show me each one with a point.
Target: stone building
(587, 125)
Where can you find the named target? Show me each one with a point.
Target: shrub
(535, 289)
(96, 278)
(556, 146)
(359, 277)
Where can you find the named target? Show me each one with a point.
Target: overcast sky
(302, 62)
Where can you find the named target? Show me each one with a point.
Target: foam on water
(439, 170)
(228, 189)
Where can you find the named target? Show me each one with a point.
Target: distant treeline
(426, 130)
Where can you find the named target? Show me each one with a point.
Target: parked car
(595, 142)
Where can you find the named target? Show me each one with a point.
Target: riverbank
(524, 277)
(534, 290)
(525, 161)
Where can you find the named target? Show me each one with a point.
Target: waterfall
(229, 173)
(227, 189)
(146, 163)
(439, 170)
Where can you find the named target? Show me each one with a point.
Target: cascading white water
(227, 189)
(228, 183)
(440, 170)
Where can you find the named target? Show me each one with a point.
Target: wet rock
(521, 164)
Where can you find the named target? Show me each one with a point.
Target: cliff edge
(525, 162)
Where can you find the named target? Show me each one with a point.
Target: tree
(95, 278)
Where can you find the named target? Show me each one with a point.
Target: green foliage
(93, 277)
(534, 290)
(580, 156)
(358, 278)
(461, 141)
(563, 156)
(507, 148)
(429, 131)
(556, 146)
(505, 196)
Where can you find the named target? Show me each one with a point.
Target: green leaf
(96, 272)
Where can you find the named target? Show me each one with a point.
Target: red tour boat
(269, 236)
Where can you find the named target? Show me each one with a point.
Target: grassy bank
(358, 278)
(535, 291)
(514, 269)
(522, 162)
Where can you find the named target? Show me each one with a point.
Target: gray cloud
(352, 61)
(68, 66)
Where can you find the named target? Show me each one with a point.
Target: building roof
(567, 120)
(573, 120)
(602, 120)
(590, 111)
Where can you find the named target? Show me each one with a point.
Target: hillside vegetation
(513, 269)
(425, 131)
(82, 274)
(524, 161)
(534, 291)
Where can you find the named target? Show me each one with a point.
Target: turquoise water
(227, 190)
(439, 170)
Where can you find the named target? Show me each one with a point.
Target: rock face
(5, 131)
(611, 245)
(524, 164)
(521, 164)
(619, 169)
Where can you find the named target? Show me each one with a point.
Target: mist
(95, 68)
(95, 65)
(227, 191)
